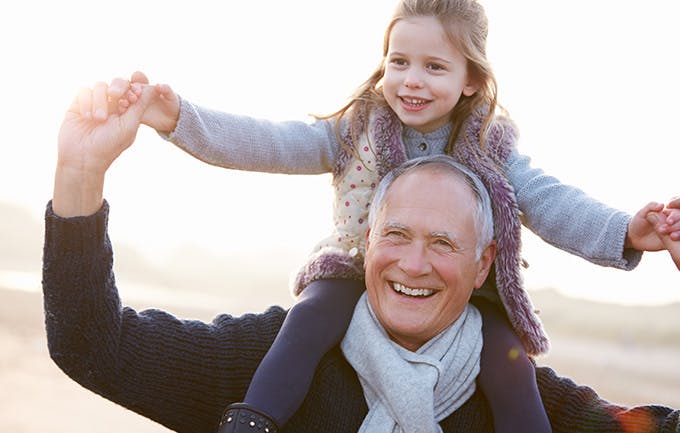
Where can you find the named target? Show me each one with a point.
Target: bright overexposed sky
(593, 86)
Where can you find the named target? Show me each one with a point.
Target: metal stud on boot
(243, 418)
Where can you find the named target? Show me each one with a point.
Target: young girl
(433, 92)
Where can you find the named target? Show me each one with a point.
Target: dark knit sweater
(182, 373)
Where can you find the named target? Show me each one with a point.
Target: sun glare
(589, 95)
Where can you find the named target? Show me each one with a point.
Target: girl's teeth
(414, 101)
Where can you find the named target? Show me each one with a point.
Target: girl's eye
(398, 61)
(435, 67)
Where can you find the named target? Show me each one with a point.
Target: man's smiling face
(421, 264)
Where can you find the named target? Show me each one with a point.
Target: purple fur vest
(383, 150)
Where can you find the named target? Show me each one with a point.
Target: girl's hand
(161, 114)
(642, 234)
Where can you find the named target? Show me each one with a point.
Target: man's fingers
(85, 103)
(672, 223)
(661, 226)
(139, 77)
(100, 101)
(118, 88)
(674, 202)
(672, 215)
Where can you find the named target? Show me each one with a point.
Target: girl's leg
(315, 324)
(508, 377)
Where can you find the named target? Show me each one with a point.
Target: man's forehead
(429, 174)
(425, 191)
(433, 184)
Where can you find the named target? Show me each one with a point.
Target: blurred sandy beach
(605, 346)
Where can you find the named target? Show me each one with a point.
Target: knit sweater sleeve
(567, 218)
(245, 143)
(575, 408)
(180, 373)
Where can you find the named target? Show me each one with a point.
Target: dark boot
(243, 418)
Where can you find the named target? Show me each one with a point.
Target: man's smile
(408, 291)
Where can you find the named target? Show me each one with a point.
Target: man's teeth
(412, 292)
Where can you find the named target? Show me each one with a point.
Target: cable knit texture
(182, 373)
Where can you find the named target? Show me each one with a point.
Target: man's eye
(441, 243)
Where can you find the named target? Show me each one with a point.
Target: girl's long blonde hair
(466, 26)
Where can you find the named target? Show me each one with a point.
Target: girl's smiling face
(425, 74)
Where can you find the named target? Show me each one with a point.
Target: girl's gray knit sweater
(560, 214)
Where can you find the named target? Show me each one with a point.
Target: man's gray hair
(483, 214)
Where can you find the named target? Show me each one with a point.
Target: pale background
(592, 85)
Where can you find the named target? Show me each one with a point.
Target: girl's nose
(413, 80)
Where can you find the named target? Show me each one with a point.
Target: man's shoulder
(265, 325)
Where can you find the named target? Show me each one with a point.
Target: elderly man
(414, 340)
(407, 363)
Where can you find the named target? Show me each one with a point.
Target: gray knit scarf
(411, 392)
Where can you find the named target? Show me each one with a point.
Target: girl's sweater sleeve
(566, 217)
(245, 143)
(180, 373)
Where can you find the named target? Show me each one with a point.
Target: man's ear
(484, 264)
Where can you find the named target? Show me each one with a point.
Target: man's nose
(414, 261)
